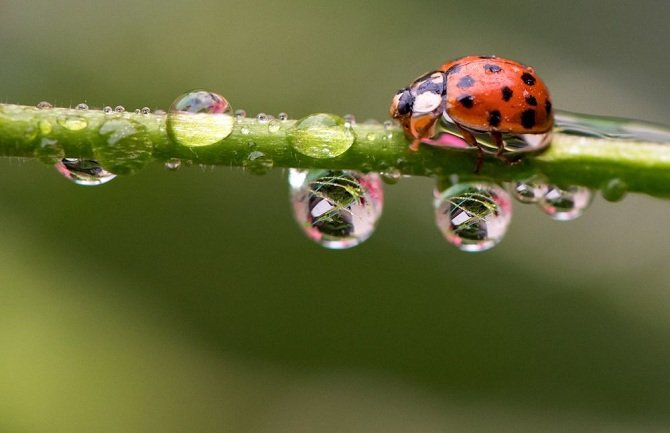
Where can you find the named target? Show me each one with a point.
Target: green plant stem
(644, 166)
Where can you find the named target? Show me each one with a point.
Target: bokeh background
(190, 301)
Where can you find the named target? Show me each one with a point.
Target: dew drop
(350, 119)
(45, 127)
(44, 105)
(565, 204)
(240, 115)
(388, 132)
(530, 190)
(282, 116)
(82, 106)
(200, 118)
(321, 136)
(371, 136)
(73, 123)
(146, 111)
(473, 216)
(262, 118)
(337, 209)
(258, 163)
(137, 111)
(83, 171)
(126, 148)
(120, 109)
(245, 130)
(614, 190)
(274, 126)
(391, 177)
(107, 109)
(173, 164)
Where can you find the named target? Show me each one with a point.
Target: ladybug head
(402, 104)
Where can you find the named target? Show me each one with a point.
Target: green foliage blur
(190, 301)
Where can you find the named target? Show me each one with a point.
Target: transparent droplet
(274, 125)
(137, 111)
(258, 163)
(82, 106)
(44, 105)
(119, 109)
(83, 171)
(240, 114)
(282, 116)
(245, 130)
(336, 208)
(200, 118)
(371, 136)
(321, 136)
(145, 110)
(73, 123)
(473, 216)
(530, 190)
(107, 109)
(565, 204)
(45, 126)
(391, 177)
(173, 164)
(262, 118)
(388, 130)
(614, 190)
(350, 119)
(126, 148)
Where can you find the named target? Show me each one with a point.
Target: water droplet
(145, 110)
(137, 111)
(337, 209)
(282, 116)
(274, 126)
(566, 204)
(83, 171)
(391, 177)
(44, 105)
(120, 109)
(200, 118)
(82, 106)
(73, 123)
(240, 115)
(127, 147)
(350, 119)
(321, 136)
(371, 136)
(473, 216)
(107, 109)
(388, 132)
(45, 127)
(245, 130)
(262, 118)
(258, 163)
(173, 164)
(530, 190)
(614, 190)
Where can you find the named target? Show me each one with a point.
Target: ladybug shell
(496, 94)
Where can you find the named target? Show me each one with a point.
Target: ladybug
(479, 94)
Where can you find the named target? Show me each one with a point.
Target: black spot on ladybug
(507, 93)
(467, 101)
(528, 78)
(405, 103)
(453, 69)
(465, 82)
(492, 68)
(528, 119)
(494, 118)
(530, 100)
(430, 86)
(547, 107)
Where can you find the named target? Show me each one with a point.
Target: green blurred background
(191, 301)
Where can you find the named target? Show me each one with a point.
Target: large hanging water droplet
(336, 208)
(565, 204)
(83, 171)
(200, 118)
(473, 216)
(321, 136)
(127, 147)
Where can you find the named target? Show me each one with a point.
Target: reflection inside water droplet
(200, 118)
(530, 190)
(336, 208)
(83, 171)
(173, 164)
(565, 204)
(473, 216)
(321, 136)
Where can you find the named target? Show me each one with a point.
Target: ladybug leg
(497, 138)
(472, 141)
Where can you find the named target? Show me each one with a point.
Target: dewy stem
(125, 142)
